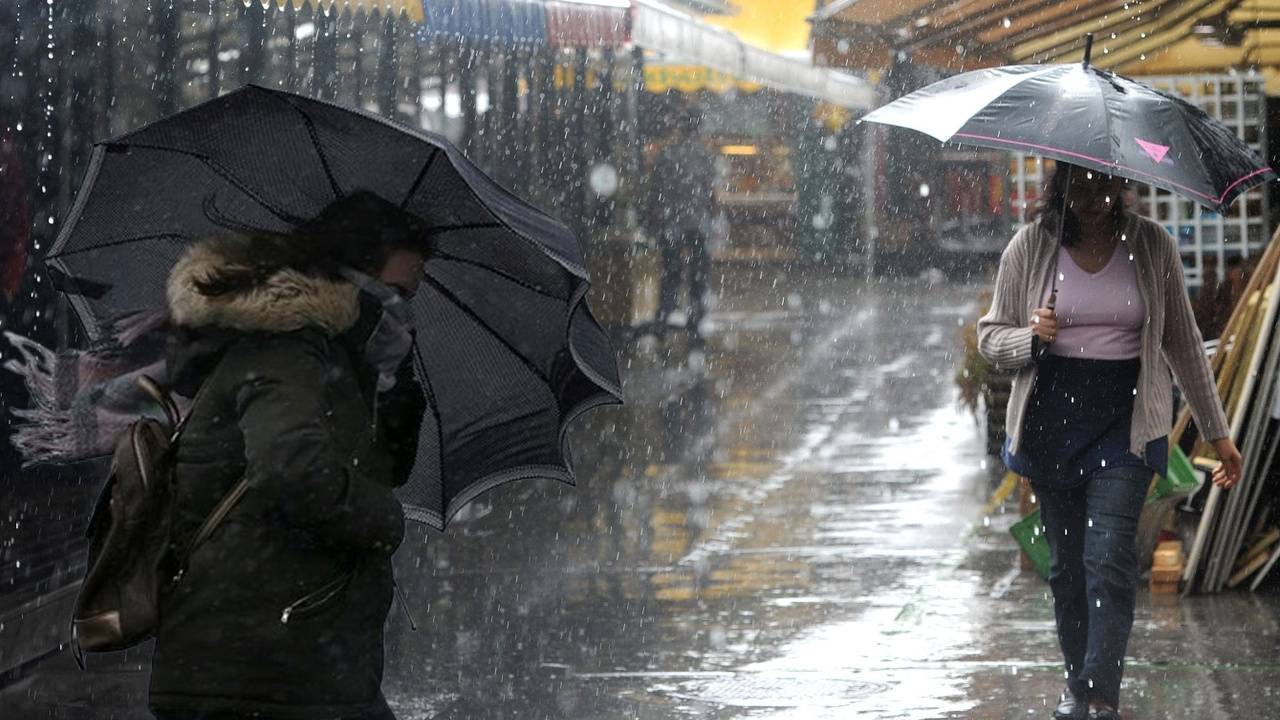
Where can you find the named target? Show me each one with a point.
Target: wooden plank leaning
(1225, 363)
(1254, 448)
(1253, 396)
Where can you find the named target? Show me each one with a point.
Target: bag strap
(211, 523)
(179, 423)
(162, 398)
(182, 424)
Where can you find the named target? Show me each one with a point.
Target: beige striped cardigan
(1170, 339)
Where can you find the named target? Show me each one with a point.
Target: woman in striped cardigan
(1093, 325)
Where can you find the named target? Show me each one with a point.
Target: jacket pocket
(317, 600)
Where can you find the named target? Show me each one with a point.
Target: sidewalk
(976, 627)
(788, 523)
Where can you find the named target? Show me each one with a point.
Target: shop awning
(661, 77)
(599, 22)
(658, 27)
(647, 23)
(411, 8)
(554, 22)
(558, 22)
(1152, 36)
(502, 21)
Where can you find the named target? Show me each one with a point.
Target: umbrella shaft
(1062, 224)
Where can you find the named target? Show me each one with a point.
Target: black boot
(1069, 708)
(1104, 713)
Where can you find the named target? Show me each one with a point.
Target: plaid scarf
(84, 399)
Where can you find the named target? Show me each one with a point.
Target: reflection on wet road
(786, 522)
(764, 528)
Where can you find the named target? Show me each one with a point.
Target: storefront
(780, 126)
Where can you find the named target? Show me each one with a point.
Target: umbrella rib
(315, 143)
(1098, 79)
(506, 276)
(572, 264)
(116, 243)
(443, 229)
(435, 412)
(422, 175)
(449, 294)
(226, 175)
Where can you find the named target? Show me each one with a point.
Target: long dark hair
(1050, 210)
(358, 231)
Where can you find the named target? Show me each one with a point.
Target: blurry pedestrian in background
(681, 198)
(1237, 278)
(1090, 412)
(1211, 292)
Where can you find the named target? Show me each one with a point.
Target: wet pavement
(786, 521)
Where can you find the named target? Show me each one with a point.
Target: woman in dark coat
(297, 348)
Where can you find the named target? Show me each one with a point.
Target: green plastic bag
(1181, 481)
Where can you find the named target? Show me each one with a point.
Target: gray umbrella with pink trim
(1091, 117)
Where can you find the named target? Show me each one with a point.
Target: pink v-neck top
(1100, 315)
(1170, 339)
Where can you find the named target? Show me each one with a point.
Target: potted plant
(984, 390)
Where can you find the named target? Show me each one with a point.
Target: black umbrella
(507, 351)
(1087, 116)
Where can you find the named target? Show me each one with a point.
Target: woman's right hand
(1227, 473)
(1044, 321)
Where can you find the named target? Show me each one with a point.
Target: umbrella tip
(1088, 47)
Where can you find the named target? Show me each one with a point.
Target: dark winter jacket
(281, 611)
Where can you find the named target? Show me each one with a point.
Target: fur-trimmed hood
(285, 301)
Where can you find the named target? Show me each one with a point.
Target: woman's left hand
(1227, 473)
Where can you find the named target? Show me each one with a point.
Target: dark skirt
(1078, 420)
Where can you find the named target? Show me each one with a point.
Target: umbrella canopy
(507, 352)
(1091, 117)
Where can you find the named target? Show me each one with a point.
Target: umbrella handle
(1062, 222)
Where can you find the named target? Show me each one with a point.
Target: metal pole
(359, 23)
(325, 56)
(211, 51)
(544, 98)
(254, 18)
(387, 67)
(166, 34)
(577, 200)
(291, 76)
(466, 61)
(604, 153)
(870, 204)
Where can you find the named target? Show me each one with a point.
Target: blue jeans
(1092, 531)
